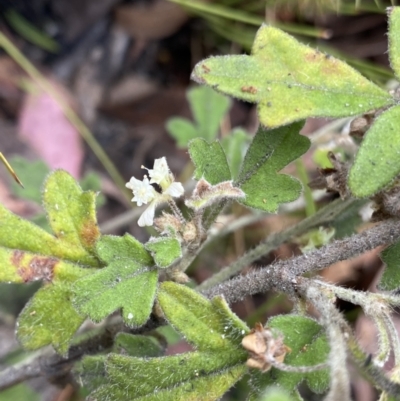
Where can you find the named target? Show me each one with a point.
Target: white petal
(160, 171)
(133, 182)
(161, 164)
(147, 217)
(143, 192)
(175, 189)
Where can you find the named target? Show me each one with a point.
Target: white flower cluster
(144, 193)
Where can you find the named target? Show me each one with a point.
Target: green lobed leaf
(291, 81)
(205, 374)
(164, 250)
(28, 253)
(391, 275)
(377, 162)
(49, 318)
(72, 217)
(309, 346)
(192, 376)
(128, 281)
(182, 130)
(208, 108)
(235, 146)
(208, 325)
(394, 39)
(209, 160)
(140, 346)
(71, 212)
(270, 151)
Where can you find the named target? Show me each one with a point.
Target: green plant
(89, 275)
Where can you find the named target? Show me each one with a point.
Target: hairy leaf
(49, 318)
(210, 161)
(92, 371)
(205, 374)
(28, 253)
(164, 250)
(210, 194)
(377, 162)
(71, 215)
(128, 281)
(208, 108)
(309, 346)
(394, 39)
(208, 325)
(391, 275)
(140, 346)
(270, 151)
(184, 377)
(291, 81)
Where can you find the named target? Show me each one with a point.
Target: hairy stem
(394, 337)
(372, 373)
(383, 341)
(176, 211)
(324, 215)
(282, 276)
(333, 321)
(299, 369)
(375, 306)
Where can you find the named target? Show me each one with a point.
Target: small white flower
(147, 217)
(160, 171)
(142, 190)
(175, 190)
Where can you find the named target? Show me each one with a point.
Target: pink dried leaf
(44, 127)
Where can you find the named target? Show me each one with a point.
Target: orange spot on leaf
(33, 268)
(313, 55)
(89, 233)
(249, 89)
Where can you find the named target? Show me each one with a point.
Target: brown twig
(282, 275)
